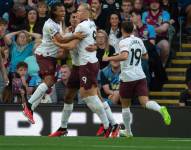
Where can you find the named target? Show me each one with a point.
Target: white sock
(153, 106)
(66, 112)
(95, 105)
(127, 119)
(38, 94)
(109, 113)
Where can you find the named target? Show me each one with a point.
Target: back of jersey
(131, 68)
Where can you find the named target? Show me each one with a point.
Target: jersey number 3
(136, 56)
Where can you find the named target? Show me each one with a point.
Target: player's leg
(36, 97)
(92, 100)
(66, 112)
(142, 92)
(112, 121)
(88, 92)
(126, 93)
(73, 86)
(127, 117)
(47, 74)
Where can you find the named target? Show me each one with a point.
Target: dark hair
(127, 26)
(54, 8)
(22, 64)
(26, 26)
(108, 24)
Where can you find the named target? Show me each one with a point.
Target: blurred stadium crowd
(156, 22)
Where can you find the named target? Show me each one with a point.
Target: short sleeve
(166, 17)
(144, 50)
(123, 46)
(52, 29)
(79, 28)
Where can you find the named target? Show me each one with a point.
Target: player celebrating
(133, 82)
(46, 55)
(88, 68)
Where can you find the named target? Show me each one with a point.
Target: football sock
(96, 106)
(109, 113)
(66, 112)
(127, 119)
(38, 94)
(153, 106)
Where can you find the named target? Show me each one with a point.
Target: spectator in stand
(160, 19)
(5, 57)
(172, 8)
(16, 91)
(127, 7)
(155, 72)
(70, 7)
(33, 72)
(110, 82)
(113, 29)
(42, 9)
(104, 49)
(138, 6)
(185, 96)
(16, 17)
(31, 23)
(185, 6)
(110, 6)
(97, 14)
(3, 76)
(60, 87)
(21, 47)
(78, 2)
(3, 30)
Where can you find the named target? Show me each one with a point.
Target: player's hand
(68, 29)
(79, 35)
(55, 41)
(91, 48)
(105, 58)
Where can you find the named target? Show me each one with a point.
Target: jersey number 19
(136, 56)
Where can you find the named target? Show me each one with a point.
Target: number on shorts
(84, 79)
(136, 55)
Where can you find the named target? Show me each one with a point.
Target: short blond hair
(86, 6)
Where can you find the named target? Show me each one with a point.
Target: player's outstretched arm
(66, 46)
(120, 57)
(66, 39)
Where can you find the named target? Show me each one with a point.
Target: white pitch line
(180, 140)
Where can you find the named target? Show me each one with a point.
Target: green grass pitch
(92, 143)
